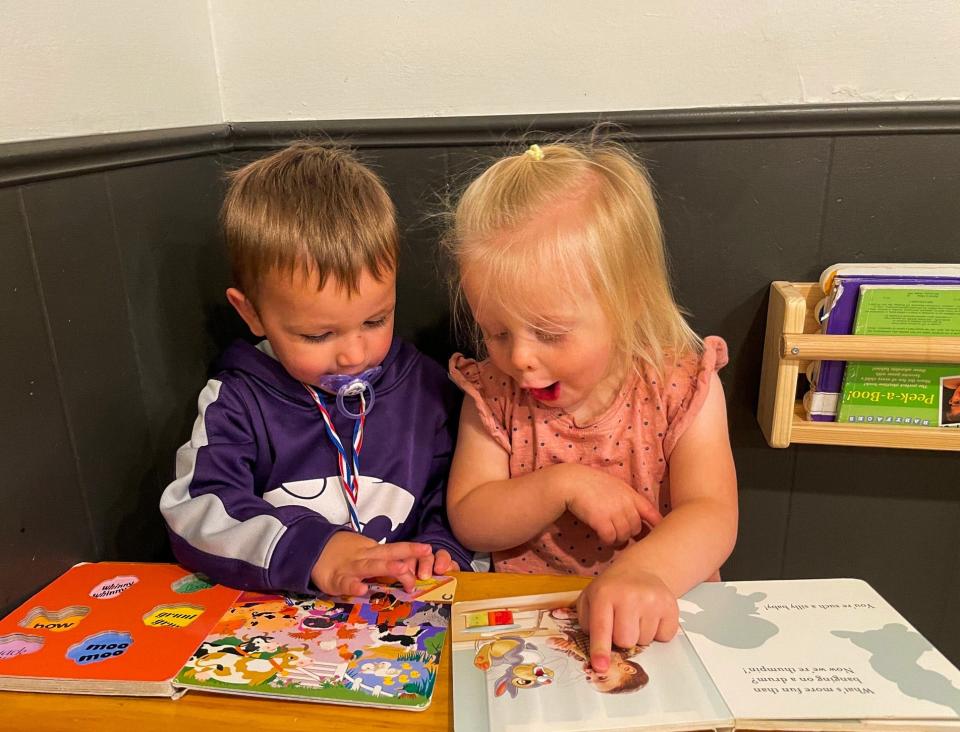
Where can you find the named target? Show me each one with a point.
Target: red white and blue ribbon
(349, 465)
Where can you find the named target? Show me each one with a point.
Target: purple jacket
(257, 491)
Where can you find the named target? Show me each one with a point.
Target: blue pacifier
(347, 385)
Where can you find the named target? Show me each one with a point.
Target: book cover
(841, 283)
(380, 650)
(110, 628)
(908, 394)
(787, 654)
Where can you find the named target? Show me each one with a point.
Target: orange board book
(110, 628)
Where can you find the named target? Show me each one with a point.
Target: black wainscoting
(111, 295)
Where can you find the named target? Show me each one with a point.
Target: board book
(110, 628)
(841, 285)
(381, 650)
(780, 655)
(907, 394)
(141, 629)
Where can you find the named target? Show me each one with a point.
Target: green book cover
(914, 394)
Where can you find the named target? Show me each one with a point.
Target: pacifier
(351, 385)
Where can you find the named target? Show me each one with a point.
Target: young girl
(598, 408)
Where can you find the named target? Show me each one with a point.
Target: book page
(383, 652)
(535, 675)
(816, 649)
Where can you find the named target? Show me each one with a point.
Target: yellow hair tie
(535, 152)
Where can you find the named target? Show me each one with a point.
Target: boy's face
(319, 332)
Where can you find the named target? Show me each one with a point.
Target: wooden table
(199, 711)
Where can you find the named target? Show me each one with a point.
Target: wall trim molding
(23, 162)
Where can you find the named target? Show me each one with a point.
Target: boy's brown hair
(309, 205)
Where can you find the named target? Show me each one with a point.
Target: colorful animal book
(781, 655)
(110, 628)
(122, 628)
(907, 394)
(841, 284)
(380, 650)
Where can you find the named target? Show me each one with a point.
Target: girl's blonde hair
(584, 214)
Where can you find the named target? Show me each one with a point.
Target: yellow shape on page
(39, 618)
(172, 616)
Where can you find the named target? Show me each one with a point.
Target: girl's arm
(488, 510)
(634, 600)
(697, 536)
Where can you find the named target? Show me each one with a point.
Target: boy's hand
(608, 505)
(626, 607)
(439, 563)
(349, 558)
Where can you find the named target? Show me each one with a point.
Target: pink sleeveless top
(632, 440)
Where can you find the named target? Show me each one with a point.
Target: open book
(780, 655)
(141, 629)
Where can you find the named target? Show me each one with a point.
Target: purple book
(821, 401)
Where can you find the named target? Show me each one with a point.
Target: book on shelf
(906, 394)
(841, 285)
(159, 630)
(826, 654)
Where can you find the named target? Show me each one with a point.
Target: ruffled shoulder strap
(686, 388)
(491, 390)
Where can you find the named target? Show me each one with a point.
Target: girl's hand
(608, 505)
(626, 607)
(349, 558)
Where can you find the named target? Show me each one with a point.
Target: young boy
(260, 499)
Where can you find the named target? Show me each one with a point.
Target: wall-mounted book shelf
(792, 341)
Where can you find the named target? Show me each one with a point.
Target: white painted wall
(78, 67)
(73, 67)
(406, 58)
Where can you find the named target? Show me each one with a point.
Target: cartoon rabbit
(522, 662)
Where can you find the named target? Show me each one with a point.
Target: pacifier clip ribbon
(349, 465)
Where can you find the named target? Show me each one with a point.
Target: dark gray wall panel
(414, 179)
(887, 516)
(738, 214)
(944, 634)
(175, 274)
(79, 269)
(45, 524)
(893, 199)
(132, 271)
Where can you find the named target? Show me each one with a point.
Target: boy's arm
(216, 521)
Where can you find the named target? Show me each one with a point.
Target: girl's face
(568, 362)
